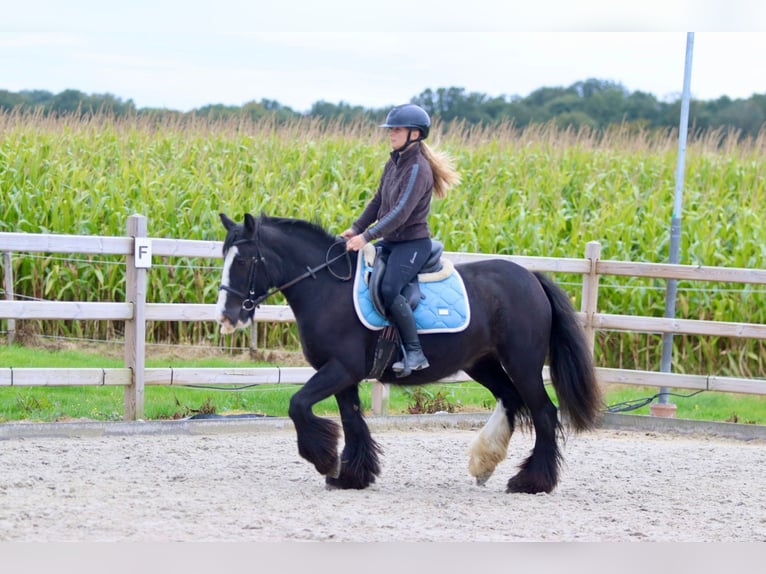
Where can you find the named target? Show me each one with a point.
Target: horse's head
(244, 279)
(296, 250)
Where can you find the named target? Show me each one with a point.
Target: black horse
(518, 318)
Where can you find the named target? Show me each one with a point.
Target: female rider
(397, 216)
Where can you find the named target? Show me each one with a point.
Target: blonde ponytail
(443, 168)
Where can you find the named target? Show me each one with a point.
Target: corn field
(540, 191)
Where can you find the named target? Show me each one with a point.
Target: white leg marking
(490, 447)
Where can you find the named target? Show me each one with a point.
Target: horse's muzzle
(226, 327)
(229, 325)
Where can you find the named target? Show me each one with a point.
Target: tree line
(591, 103)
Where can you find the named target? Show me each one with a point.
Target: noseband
(250, 301)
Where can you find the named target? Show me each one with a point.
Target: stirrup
(403, 369)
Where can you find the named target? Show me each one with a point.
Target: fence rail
(135, 311)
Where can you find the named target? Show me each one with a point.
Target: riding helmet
(408, 116)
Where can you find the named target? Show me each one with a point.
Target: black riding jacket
(399, 210)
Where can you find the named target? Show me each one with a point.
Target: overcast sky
(183, 55)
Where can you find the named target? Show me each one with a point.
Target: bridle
(250, 301)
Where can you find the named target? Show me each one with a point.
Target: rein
(249, 302)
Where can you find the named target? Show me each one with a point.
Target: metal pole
(675, 222)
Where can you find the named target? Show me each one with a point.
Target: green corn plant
(538, 191)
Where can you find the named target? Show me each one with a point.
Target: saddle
(437, 296)
(377, 261)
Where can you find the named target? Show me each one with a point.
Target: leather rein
(250, 301)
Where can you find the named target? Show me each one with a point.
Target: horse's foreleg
(490, 447)
(359, 461)
(318, 437)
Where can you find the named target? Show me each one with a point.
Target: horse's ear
(249, 224)
(227, 223)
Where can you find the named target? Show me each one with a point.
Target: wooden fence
(135, 311)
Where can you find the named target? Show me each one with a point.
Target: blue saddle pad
(444, 308)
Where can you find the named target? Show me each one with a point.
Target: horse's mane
(311, 229)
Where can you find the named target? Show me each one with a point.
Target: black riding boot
(414, 359)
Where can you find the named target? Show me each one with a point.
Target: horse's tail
(571, 362)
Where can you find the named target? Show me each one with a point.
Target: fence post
(8, 289)
(589, 304)
(380, 398)
(253, 340)
(135, 328)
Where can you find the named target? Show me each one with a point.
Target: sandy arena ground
(616, 485)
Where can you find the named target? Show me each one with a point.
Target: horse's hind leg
(359, 461)
(490, 447)
(522, 394)
(540, 471)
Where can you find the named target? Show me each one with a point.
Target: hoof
(517, 485)
(335, 472)
(481, 480)
(345, 484)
